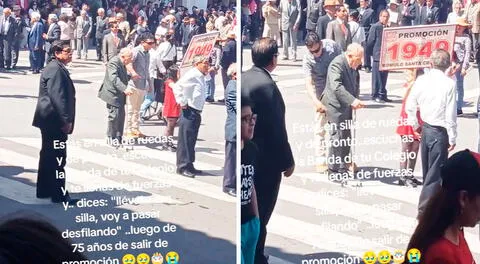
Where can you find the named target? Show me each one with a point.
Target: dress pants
(379, 81)
(99, 48)
(116, 121)
(229, 169)
(434, 151)
(225, 78)
(134, 101)
(272, 31)
(35, 59)
(52, 162)
(267, 186)
(289, 39)
(367, 55)
(6, 52)
(190, 120)
(340, 150)
(82, 47)
(15, 51)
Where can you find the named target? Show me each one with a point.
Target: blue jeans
(211, 87)
(249, 237)
(149, 98)
(459, 85)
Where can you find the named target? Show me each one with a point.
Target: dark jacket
(11, 29)
(407, 15)
(114, 83)
(56, 98)
(52, 35)
(229, 54)
(322, 26)
(230, 103)
(101, 27)
(35, 40)
(341, 90)
(188, 33)
(425, 19)
(374, 41)
(270, 135)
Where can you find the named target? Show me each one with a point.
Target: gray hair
(35, 16)
(53, 17)
(355, 49)
(83, 12)
(199, 59)
(125, 52)
(101, 10)
(232, 69)
(440, 59)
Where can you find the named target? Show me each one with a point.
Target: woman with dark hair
(439, 235)
(24, 240)
(171, 109)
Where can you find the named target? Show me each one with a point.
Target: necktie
(344, 29)
(115, 39)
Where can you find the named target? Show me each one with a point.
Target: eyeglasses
(315, 51)
(249, 119)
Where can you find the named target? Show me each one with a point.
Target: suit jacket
(335, 33)
(101, 26)
(56, 98)
(313, 13)
(374, 41)
(35, 39)
(270, 133)
(290, 13)
(407, 15)
(114, 83)
(20, 24)
(366, 19)
(188, 33)
(424, 19)
(341, 90)
(229, 54)
(322, 26)
(52, 35)
(231, 104)
(109, 48)
(84, 27)
(10, 35)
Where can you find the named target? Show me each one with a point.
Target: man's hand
(128, 91)
(295, 27)
(451, 147)
(320, 107)
(67, 128)
(464, 72)
(289, 171)
(44, 36)
(357, 104)
(136, 77)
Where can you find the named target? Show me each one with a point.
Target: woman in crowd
(214, 60)
(171, 109)
(439, 235)
(457, 12)
(410, 138)
(461, 56)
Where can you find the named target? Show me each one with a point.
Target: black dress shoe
(385, 99)
(378, 100)
(186, 173)
(196, 171)
(231, 193)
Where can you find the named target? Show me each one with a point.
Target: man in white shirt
(190, 92)
(435, 95)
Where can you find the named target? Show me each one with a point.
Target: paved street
(318, 220)
(144, 188)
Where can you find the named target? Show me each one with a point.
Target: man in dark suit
(429, 14)
(20, 25)
(270, 135)
(406, 12)
(112, 43)
(229, 56)
(52, 35)
(374, 44)
(189, 30)
(366, 20)
(340, 97)
(229, 170)
(338, 30)
(417, 9)
(113, 91)
(322, 23)
(7, 38)
(55, 116)
(100, 28)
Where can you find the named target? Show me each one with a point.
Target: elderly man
(190, 92)
(435, 95)
(113, 92)
(7, 38)
(229, 170)
(83, 30)
(123, 25)
(340, 97)
(52, 35)
(291, 13)
(101, 27)
(19, 36)
(35, 43)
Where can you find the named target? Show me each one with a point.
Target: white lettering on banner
(200, 45)
(247, 183)
(410, 47)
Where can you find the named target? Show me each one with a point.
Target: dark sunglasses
(316, 51)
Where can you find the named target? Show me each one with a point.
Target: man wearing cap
(52, 34)
(190, 92)
(291, 12)
(323, 21)
(435, 95)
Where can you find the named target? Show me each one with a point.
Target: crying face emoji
(157, 258)
(398, 256)
(384, 257)
(143, 258)
(128, 259)
(172, 257)
(369, 257)
(414, 255)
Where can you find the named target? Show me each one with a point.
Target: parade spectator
(315, 67)
(406, 13)
(210, 24)
(461, 54)
(7, 38)
(250, 222)
(322, 23)
(214, 60)
(271, 15)
(171, 109)
(434, 93)
(366, 20)
(102, 22)
(291, 14)
(410, 138)
(418, 6)
(112, 43)
(338, 30)
(65, 30)
(229, 169)
(472, 13)
(358, 33)
(53, 34)
(393, 14)
(190, 29)
(190, 93)
(440, 233)
(275, 154)
(72, 24)
(229, 56)
(83, 30)
(340, 98)
(113, 92)
(429, 14)
(19, 36)
(457, 12)
(35, 43)
(140, 83)
(123, 26)
(55, 117)
(313, 12)
(374, 43)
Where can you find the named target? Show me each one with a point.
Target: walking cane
(353, 147)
